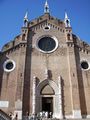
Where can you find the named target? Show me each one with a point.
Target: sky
(12, 13)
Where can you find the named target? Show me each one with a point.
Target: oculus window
(84, 65)
(47, 44)
(9, 65)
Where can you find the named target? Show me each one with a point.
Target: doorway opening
(47, 104)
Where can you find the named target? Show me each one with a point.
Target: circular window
(47, 28)
(84, 65)
(9, 65)
(47, 44)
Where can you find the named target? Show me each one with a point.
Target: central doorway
(48, 98)
(47, 104)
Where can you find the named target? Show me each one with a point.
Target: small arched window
(23, 37)
(67, 22)
(68, 36)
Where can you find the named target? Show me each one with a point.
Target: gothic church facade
(46, 68)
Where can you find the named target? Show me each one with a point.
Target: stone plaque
(4, 104)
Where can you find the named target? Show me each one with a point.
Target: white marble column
(60, 97)
(34, 96)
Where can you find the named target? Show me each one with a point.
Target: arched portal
(47, 93)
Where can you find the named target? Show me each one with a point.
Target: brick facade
(16, 86)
